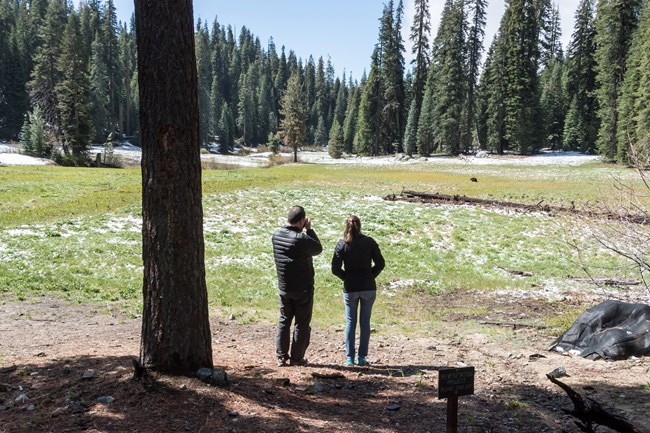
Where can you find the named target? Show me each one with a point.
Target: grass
(75, 233)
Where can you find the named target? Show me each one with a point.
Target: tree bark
(176, 335)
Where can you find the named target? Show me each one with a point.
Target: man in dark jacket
(293, 251)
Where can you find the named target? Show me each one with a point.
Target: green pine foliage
(634, 126)
(616, 21)
(526, 97)
(294, 115)
(33, 136)
(581, 123)
(420, 33)
(335, 144)
(522, 109)
(73, 94)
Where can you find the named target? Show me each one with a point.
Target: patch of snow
(18, 159)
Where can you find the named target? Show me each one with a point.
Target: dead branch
(591, 412)
(517, 272)
(327, 375)
(514, 325)
(425, 197)
(606, 281)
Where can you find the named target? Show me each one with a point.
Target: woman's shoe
(362, 361)
(349, 361)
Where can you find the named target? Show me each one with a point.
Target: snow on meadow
(10, 155)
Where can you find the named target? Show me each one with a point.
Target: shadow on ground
(57, 398)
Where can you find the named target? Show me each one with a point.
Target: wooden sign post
(452, 383)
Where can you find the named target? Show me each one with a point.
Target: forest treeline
(69, 75)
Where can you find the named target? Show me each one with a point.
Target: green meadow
(75, 234)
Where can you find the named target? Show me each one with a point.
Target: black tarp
(611, 330)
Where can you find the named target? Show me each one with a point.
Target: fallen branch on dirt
(606, 281)
(327, 375)
(591, 412)
(425, 197)
(514, 325)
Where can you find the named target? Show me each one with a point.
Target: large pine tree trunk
(175, 326)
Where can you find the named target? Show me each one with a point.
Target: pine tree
(410, 135)
(634, 125)
(111, 51)
(46, 76)
(553, 103)
(73, 93)
(335, 144)
(226, 130)
(476, 14)
(522, 110)
(616, 21)
(294, 114)
(420, 32)
(204, 76)
(100, 101)
(581, 123)
(492, 90)
(351, 117)
(392, 79)
(450, 86)
(367, 137)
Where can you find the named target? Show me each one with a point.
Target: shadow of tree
(60, 399)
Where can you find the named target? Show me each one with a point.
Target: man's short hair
(296, 214)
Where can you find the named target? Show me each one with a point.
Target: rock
(203, 374)
(31, 407)
(22, 398)
(88, 374)
(233, 414)
(213, 376)
(393, 406)
(105, 399)
(482, 154)
(559, 372)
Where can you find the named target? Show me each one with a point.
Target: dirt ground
(48, 346)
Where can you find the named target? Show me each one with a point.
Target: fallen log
(517, 272)
(606, 281)
(590, 412)
(426, 197)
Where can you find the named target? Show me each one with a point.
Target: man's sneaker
(282, 362)
(361, 361)
(349, 361)
(298, 362)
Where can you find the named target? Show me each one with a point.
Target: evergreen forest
(68, 78)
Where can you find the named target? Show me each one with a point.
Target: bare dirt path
(47, 346)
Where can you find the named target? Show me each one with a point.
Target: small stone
(22, 398)
(231, 317)
(203, 374)
(31, 407)
(393, 406)
(88, 374)
(105, 399)
(233, 414)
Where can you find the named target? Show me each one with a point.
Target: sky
(345, 31)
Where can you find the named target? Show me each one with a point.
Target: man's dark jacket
(293, 251)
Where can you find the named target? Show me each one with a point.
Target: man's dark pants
(299, 309)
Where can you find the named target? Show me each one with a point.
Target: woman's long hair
(352, 228)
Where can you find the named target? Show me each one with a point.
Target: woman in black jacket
(357, 261)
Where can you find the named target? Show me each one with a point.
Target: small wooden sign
(454, 382)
